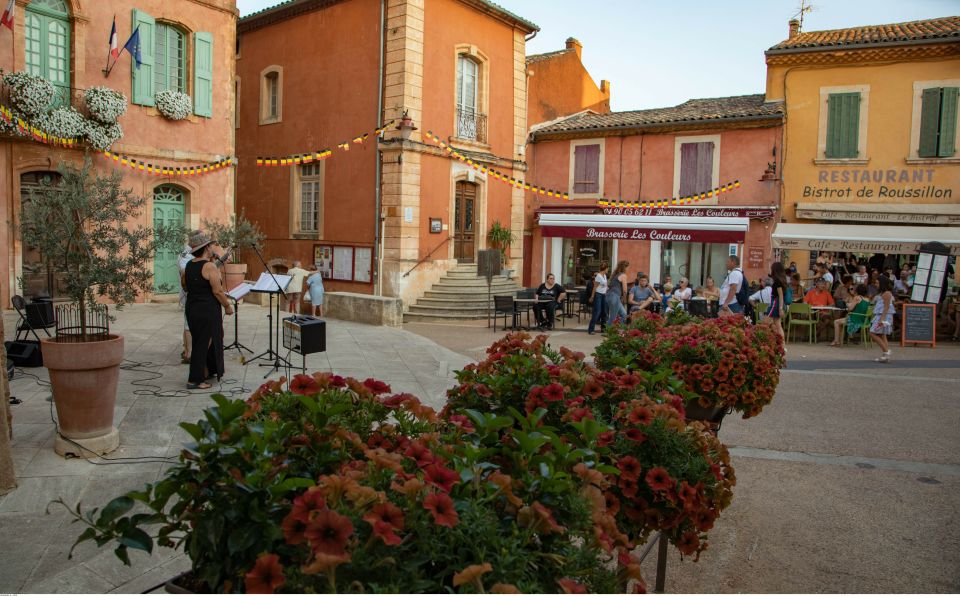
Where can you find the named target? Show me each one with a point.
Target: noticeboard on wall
(344, 263)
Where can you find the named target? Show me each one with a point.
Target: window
(696, 168)
(843, 125)
(310, 184)
(47, 45)
(271, 95)
(471, 123)
(169, 59)
(586, 172)
(938, 122)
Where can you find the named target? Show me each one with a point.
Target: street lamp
(406, 126)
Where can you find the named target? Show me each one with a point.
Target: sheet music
(240, 291)
(265, 283)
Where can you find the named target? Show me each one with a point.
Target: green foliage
(501, 237)
(240, 233)
(84, 226)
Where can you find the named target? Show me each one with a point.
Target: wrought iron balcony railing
(471, 125)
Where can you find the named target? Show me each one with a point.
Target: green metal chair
(761, 309)
(800, 315)
(865, 338)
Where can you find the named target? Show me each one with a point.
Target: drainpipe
(377, 236)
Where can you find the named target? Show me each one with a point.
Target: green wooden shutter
(143, 76)
(843, 125)
(948, 122)
(203, 73)
(929, 122)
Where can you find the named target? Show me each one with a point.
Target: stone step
(476, 281)
(438, 292)
(463, 302)
(415, 316)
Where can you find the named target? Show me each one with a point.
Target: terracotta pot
(234, 274)
(83, 376)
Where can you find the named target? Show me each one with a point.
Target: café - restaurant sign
(897, 213)
(863, 238)
(663, 229)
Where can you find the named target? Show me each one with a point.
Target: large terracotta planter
(234, 274)
(84, 377)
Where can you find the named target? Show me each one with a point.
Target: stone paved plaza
(848, 482)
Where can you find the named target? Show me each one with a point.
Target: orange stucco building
(390, 215)
(650, 155)
(186, 46)
(559, 85)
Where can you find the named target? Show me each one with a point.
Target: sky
(661, 53)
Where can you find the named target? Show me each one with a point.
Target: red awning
(633, 227)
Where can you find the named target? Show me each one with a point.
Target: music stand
(271, 284)
(237, 294)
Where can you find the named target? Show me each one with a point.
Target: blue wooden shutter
(203, 73)
(143, 76)
(843, 125)
(929, 122)
(948, 122)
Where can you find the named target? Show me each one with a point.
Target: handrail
(429, 254)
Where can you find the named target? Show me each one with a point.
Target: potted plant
(240, 234)
(83, 225)
(501, 237)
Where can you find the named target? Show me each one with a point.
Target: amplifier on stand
(304, 334)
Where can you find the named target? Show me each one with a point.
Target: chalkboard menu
(919, 324)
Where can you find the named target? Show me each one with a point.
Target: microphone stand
(274, 357)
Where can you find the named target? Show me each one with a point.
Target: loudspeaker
(24, 353)
(304, 334)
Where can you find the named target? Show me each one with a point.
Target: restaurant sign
(638, 233)
(751, 212)
(875, 215)
(857, 246)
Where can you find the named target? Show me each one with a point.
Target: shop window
(938, 122)
(46, 28)
(582, 258)
(586, 168)
(843, 125)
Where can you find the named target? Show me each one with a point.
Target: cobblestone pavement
(33, 551)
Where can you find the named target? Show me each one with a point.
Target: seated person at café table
(764, 294)
(844, 293)
(642, 295)
(856, 315)
(710, 291)
(796, 287)
(824, 273)
(549, 295)
(681, 294)
(902, 285)
(820, 294)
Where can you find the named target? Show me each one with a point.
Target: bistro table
(527, 305)
(826, 315)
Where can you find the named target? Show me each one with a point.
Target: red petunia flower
(266, 575)
(294, 525)
(629, 487)
(304, 385)
(687, 493)
(635, 434)
(629, 467)
(395, 401)
(440, 505)
(385, 532)
(571, 586)
(337, 381)
(376, 386)
(578, 414)
(420, 452)
(553, 392)
(659, 479)
(482, 390)
(387, 513)
(606, 438)
(688, 543)
(593, 389)
(629, 381)
(309, 501)
(328, 532)
(441, 477)
(612, 502)
(640, 415)
(462, 422)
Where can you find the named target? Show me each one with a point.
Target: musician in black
(205, 297)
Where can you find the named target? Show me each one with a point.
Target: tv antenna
(804, 8)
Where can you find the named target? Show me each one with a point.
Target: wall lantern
(406, 126)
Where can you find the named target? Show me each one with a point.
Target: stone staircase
(460, 294)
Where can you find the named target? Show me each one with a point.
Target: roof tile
(941, 29)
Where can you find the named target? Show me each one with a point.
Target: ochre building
(186, 46)
(871, 162)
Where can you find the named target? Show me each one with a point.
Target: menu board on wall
(343, 263)
(363, 264)
(323, 259)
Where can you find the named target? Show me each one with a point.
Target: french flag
(114, 48)
(7, 19)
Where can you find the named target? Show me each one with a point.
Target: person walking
(599, 299)
(295, 288)
(616, 292)
(205, 297)
(315, 290)
(882, 325)
(777, 301)
(729, 306)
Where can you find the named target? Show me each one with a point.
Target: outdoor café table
(826, 315)
(526, 304)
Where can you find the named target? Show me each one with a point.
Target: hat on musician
(198, 240)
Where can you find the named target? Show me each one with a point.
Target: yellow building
(871, 161)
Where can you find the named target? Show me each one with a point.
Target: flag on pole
(114, 49)
(7, 19)
(133, 45)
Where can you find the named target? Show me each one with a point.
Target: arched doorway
(465, 222)
(169, 206)
(39, 279)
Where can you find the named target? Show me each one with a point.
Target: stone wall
(363, 308)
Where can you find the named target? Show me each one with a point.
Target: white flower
(31, 94)
(101, 136)
(66, 123)
(173, 104)
(105, 104)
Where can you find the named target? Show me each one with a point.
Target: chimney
(575, 45)
(794, 28)
(605, 86)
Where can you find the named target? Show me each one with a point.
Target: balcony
(471, 125)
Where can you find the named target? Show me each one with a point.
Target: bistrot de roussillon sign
(877, 184)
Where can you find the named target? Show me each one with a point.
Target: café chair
(33, 316)
(800, 315)
(504, 306)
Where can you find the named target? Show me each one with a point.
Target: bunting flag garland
(166, 170)
(496, 174)
(676, 201)
(311, 156)
(24, 127)
(556, 194)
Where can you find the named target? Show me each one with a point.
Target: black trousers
(205, 320)
(545, 312)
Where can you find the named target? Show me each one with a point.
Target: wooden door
(40, 277)
(168, 210)
(464, 222)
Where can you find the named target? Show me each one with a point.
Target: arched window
(471, 95)
(170, 58)
(47, 32)
(271, 94)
